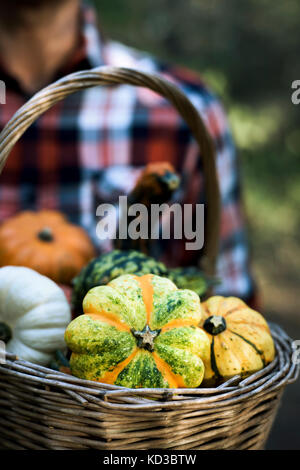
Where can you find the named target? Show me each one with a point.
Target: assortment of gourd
(142, 331)
(138, 329)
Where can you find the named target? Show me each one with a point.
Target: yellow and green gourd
(240, 338)
(139, 331)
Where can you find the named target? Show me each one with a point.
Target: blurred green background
(248, 52)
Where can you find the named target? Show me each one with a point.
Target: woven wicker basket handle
(47, 97)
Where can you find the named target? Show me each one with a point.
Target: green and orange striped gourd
(139, 331)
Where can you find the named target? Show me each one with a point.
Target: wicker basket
(44, 409)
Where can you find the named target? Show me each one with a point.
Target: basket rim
(266, 382)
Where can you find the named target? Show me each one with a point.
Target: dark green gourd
(105, 268)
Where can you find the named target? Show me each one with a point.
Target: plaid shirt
(91, 147)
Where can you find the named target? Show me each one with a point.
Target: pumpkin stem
(146, 338)
(5, 332)
(215, 325)
(46, 234)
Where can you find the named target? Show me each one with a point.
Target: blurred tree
(254, 43)
(248, 51)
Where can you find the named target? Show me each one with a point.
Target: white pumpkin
(36, 311)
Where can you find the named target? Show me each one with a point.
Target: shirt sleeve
(233, 264)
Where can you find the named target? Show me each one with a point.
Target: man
(93, 145)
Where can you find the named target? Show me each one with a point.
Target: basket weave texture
(44, 409)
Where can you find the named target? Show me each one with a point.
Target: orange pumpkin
(46, 242)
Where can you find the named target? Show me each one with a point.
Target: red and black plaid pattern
(91, 147)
